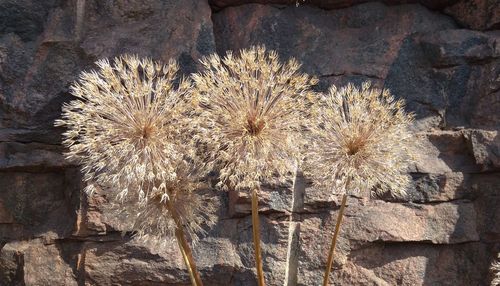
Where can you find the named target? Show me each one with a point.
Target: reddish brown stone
(180, 30)
(31, 157)
(486, 148)
(449, 79)
(36, 204)
(443, 152)
(11, 265)
(271, 199)
(476, 14)
(36, 263)
(396, 233)
(445, 232)
(440, 187)
(329, 4)
(5, 214)
(356, 41)
(89, 219)
(414, 264)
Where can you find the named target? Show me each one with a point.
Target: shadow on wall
(462, 256)
(448, 79)
(47, 210)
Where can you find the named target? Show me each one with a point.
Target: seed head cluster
(128, 126)
(360, 139)
(153, 219)
(495, 269)
(253, 109)
(149, 138)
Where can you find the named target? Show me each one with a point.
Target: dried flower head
(495, 269)
(253, 108)
(361, 141)
(153, 219)
(128, 124)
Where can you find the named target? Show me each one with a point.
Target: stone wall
(442, 56)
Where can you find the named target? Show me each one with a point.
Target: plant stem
(184, 247)
(186, 259)
(334, 240)
(256, 238)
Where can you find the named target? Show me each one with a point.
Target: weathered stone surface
(23, 17)
(236, 255)
(456, 47)
(466, 151)
(112, 263)
(476, 14)
(44, 71)
(226, 247)
(36, 263)
(444, 232)
(90, 219)
(5, 214)
(425, 188)
(488, 215)
(11, 271)
(443, 223)
(440, 187)
(487, 187)
(31, 157)
(329, 4)
(412, 264)
(384, 261)
(376, 222)
(487, 184)
(449, 79)
(77, 33)
(352, 42)
(271, 199)
(175, 29)
(48, 265)
(26, 136)
(486, 148)
(225, 255)
(38, 205)
(314, 199)
(444, 152)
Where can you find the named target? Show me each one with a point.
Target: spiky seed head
(128, 124)
(360, 141)
(253, 112)
(495, 269)
(152, 219)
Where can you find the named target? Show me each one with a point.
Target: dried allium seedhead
(153, 220)
(361, 141)
(128, 124)
(495, 269)
(253, 110)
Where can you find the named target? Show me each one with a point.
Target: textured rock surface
(443, 57)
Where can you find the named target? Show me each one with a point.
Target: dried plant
(153, 220)
(253, 111)
(130, 130)
(495, 269)
(128, 124)
(360, 143)
(167, 213)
